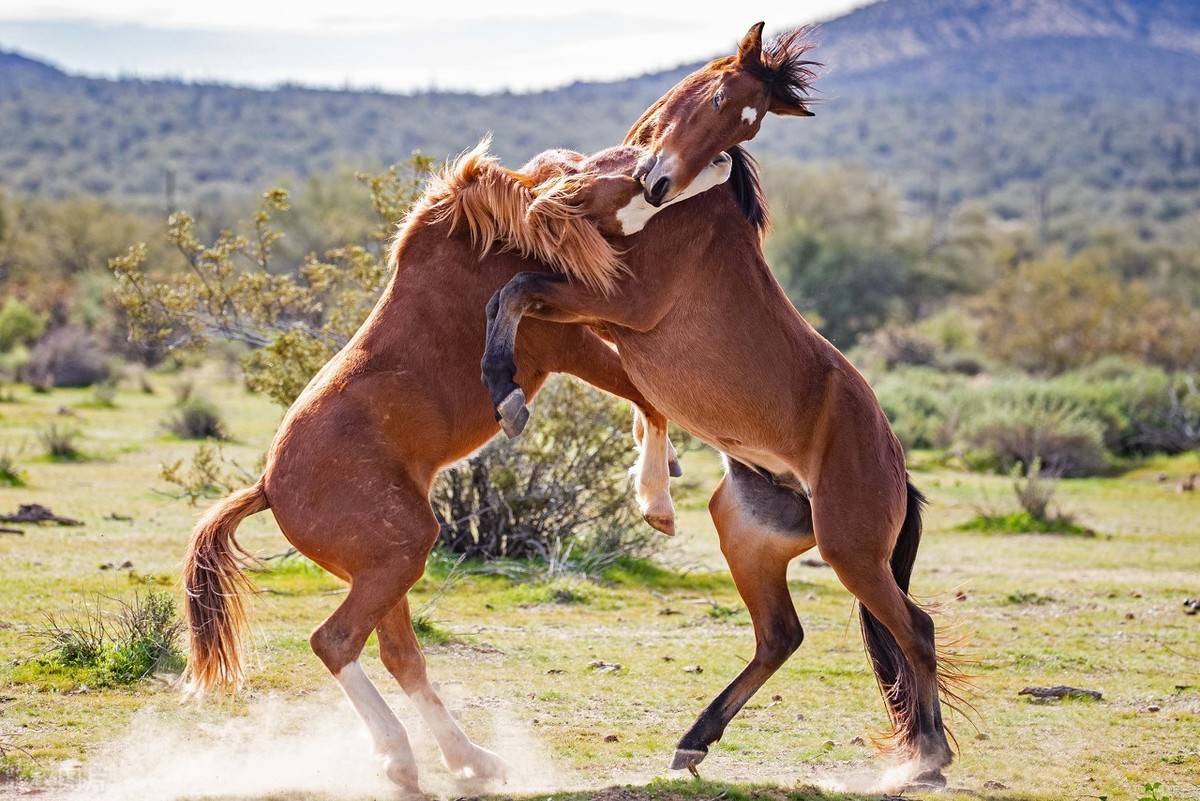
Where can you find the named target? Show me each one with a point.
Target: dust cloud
(312, 747)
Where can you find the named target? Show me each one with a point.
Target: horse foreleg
(761, 528)
(401, 654)
(585, 355)
(548, 297)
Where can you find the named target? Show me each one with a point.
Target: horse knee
(779, 642)
(334, 646)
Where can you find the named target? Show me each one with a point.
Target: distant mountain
(950, 99)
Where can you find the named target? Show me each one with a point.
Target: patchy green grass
(1024, 523)
(1101, 613)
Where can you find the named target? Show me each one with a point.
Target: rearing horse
(707, 334)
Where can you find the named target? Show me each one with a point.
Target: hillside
(1091, 103)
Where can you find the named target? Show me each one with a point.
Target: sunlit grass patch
(103, 649)
(1023, 523)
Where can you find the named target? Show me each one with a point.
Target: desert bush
(66, 357)
(19, 325)
(11, 474)
(139, 639)
(196, 418)
(922, 405)
(560, 492)
(1025, 429)
(291, 317)
(61, 442)
(207, 475)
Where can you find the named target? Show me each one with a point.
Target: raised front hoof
(927, 780)
(663, 523)
(688, 759)
(513, 414)
(674, 468)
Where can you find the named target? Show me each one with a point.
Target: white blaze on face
(749, 115)
(634, 215)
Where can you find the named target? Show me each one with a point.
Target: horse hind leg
(898, 633)
(381, 570)
(762, 527)
(401, 655)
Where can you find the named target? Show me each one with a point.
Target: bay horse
(710, 338)
(349, 472)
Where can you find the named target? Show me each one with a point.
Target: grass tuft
(102, 649)
(1024, 523)
(61, 443)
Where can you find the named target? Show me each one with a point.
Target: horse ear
(750, 48)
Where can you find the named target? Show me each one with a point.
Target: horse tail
(892, 671)
(215, 585)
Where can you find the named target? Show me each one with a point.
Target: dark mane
(788, 75)
(743, 180)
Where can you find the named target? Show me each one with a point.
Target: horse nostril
(659, 190)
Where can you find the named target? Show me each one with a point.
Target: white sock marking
(386, 730)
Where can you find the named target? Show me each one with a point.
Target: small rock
(776, 698)
(990, 785)
(693, 669)
(1135, 594)
(668, 659)
(1129, 615)
(858, 741)
(611, 738)
(982, 736)
(960, 596)
(555, 671)
(1153, 708)
(126, 565)
(601, 666)
(666, 610)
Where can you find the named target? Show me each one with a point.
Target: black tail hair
(892, 670)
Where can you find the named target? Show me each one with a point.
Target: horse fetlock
(401, 771)
(512, 413)
(480, 764)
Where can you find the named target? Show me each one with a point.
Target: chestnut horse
(707, 334)
(349, 473)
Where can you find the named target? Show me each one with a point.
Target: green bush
(19, 325)
(61, 442)
(1024, 428)
(920, 403)
(104, 649)
(558, 494)
(196, 418)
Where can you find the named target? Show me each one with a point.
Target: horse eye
(718, 99)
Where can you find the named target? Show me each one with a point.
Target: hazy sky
(467, 44)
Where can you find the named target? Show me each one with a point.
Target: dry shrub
(66, 357)
(559, 493)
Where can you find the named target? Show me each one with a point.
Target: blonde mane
(505, 210)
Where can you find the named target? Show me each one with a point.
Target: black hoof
(513, 414)
(928, 780)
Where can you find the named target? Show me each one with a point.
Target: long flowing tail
(896, 679)
(213, 578)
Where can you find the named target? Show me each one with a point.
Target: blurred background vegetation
(998, 220)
